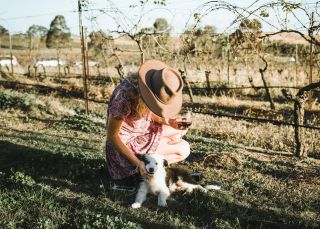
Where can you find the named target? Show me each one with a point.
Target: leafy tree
(199, 40)
(153, 39)
(162, 26)
(247, 34)
(37, 30)
(59, 35)
(248, 25)
(3, 31)
(101, 44)
(162, 29)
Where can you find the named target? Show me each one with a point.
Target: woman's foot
(126, 184)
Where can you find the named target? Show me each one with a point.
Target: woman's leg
(173, 152)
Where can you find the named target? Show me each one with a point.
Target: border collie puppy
(162, 181)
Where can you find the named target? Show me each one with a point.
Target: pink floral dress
(140, 134)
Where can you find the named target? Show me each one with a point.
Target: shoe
(123, 188)
(126, 184)
(197, 176)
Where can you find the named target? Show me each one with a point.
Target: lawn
(52, 176)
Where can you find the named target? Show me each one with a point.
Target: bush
(79, 123)
(12, 100)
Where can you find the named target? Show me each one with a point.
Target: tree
(37, 30)
(201, 39)
(36, 33)
(101, 44)
(58, 36)
(162, 30)
(3, 31)
(162, 26)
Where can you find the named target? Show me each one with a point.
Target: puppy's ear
(165, 163)
(141, 157)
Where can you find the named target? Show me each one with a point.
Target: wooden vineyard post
(209, 91)
(296, 67)
(84, 62)
(311, 61)
(11, 60)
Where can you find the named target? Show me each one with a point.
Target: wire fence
(196, 108)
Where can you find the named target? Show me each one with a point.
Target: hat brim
(159, 108)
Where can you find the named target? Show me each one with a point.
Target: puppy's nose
(151, 170)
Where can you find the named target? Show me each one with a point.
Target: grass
(52, 176)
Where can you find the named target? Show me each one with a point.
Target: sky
(18, 15)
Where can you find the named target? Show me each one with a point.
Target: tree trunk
(106, 63)
(186, 82)
(35, 70)
(299, 131)
(58, 56)
(29, 70)
(139, 43)
(301, 149)
(262, 71)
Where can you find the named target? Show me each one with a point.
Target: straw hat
(161, 88)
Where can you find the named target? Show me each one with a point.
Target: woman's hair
(142, 109)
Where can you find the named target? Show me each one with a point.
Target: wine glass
(181, 122)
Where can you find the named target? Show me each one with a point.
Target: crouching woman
(141, 121)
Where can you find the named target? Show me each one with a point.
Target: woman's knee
(184, 149)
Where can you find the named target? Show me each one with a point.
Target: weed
(79, 123)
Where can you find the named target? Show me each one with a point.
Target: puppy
(162, 181)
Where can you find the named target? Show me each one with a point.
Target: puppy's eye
(156, 163)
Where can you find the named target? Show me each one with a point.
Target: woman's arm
(160, 120)
(169, 122)
(113, 131)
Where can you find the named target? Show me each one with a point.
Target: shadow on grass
(52, 168)
(65, 172)
(84, 175)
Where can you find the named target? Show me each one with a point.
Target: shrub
(79, 123)
(12, 100)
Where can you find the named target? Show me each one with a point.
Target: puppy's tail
(212, 187)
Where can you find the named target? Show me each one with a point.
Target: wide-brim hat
(161, 88)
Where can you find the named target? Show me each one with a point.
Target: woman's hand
(173, 123)
(142, 169)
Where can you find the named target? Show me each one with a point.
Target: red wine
(183, 124)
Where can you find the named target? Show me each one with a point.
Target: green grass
(52, 174)
(53, 178)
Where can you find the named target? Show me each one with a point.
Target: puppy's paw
(212, 187)
(162, 204)
(136, 205)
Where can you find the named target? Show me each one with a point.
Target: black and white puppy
(162, 181)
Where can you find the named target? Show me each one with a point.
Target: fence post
(35, 71)
(311, 59)
(209, 91)
(11, 60)
(296, 67)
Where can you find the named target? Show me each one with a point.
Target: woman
(139, 121)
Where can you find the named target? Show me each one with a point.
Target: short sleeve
(120, 105)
